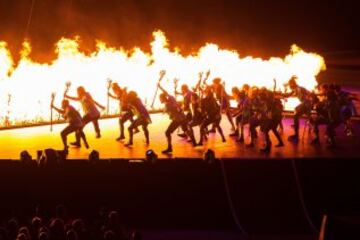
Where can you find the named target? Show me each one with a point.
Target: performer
(254, 110)
(212, 114)
(240, 114)
(347, 108)
(186, 94)
(224, 100)
(75, 121)
(91, 113)
(177, 116)
(304, 108)
(328, 113)
(270, 118)
(125, 112)
(142, 117)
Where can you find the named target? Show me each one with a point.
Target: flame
(25, 89)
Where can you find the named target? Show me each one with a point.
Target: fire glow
(25, 89)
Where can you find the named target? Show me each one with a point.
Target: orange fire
(25, 89)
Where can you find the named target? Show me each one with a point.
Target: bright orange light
(25, 89)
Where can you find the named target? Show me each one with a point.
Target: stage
(38, 138)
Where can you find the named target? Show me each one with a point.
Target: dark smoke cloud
(260, 28)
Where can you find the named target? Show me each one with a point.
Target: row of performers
(203, 106)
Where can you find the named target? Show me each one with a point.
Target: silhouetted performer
(270, 118)
(186, 94)
(142, 117)
(75, 121)
(304, 108)
(242, 111)
(125, 111)
(212, 115)
(177, 116)
(91, 113)
(224, 101)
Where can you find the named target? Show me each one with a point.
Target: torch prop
(109, 82)
(51, 111)
(67, 88)
(162, 74)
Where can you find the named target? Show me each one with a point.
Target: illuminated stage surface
(12, 142)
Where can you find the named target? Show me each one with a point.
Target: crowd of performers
(204, 105)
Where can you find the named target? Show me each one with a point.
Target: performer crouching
(270, 118)
(304, 108)
(142, 117)
(75, 121)
(91, 113)
(177, 116)
(126, 114)
(211, 110)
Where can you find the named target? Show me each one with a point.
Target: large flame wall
(25, 89)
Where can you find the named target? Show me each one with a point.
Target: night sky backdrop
(257, 27)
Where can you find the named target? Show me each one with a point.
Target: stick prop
(109, 82)
(51, 111)
(162, 74)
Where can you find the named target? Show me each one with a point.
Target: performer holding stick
(177, 116)
(142, 117)
(162, 74)
(126, 113)
(75, 121)
(91, 113)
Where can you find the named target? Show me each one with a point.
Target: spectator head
(71, 235)
(43, 236)
(57, 228)
(135, 235)
(114, 219)
(109, 235)
(78, 225)
(25, 231)
(36, 223)
(22, 236)
(12, 227)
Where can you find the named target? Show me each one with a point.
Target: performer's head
(245, 87)
(184, 88)
(80, 91)
(253, 93)
(216, 81)
(116, 88)
(235, 92)
(163, 98)
(132, 96)
(292, 83)
(64, 103)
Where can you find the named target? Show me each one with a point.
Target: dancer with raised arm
(177, 117)
(75, 121)
(90, 109)
(126, 113)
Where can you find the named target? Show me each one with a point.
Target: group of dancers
(204, 105)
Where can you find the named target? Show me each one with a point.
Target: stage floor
(12, 142)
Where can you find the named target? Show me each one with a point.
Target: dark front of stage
(191, 194)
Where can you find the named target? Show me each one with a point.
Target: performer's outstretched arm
(71, 98)
(58, 109)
